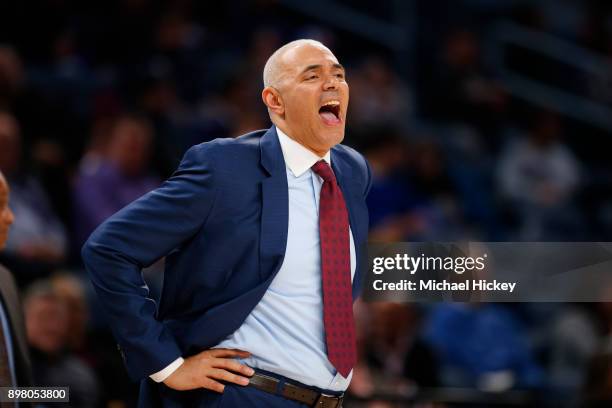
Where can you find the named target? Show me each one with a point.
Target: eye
(340, 75)
(311, 76)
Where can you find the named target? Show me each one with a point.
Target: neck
(318, 152)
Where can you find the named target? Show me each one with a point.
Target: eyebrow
(318, 66)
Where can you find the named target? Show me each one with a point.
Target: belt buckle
(324, 399)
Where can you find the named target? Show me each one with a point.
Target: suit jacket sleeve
(137, 236)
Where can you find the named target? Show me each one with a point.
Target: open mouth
(330, 112)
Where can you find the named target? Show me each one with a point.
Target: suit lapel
(12, 306)
(275, 206)
(348, 186)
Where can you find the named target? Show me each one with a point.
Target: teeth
(331, 103)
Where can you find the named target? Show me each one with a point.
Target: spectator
(112, 176)
(573, 341)
(462, 92)
(434, 195)
(48, 325)
(378, 94)
(390, 196)
(394, 357)
(11, 76)
(483, 346)
(539, 176)
(15, 369)
(38, 240)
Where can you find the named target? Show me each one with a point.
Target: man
(261, 237)
(14, 357)
(47, 320)
(38, 242)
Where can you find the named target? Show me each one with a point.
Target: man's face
(6, 215)
(315, 95)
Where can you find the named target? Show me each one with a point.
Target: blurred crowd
(98, 101)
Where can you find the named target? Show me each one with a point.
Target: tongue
(329, 118)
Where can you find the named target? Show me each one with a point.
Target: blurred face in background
(10, 143)
(462, 49)
(6, 215)
(11, 72)
(46, 323)
(130, 145)
(310, 99)
(71, 291)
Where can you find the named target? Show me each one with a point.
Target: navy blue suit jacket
(221, 221)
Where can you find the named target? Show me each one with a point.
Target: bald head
(306, 94)
(276, 65)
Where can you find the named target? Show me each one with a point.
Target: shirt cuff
(161, 376)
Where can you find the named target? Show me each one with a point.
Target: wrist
(165, 373)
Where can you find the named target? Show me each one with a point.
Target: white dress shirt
(284, 333)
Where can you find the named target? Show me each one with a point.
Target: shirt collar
(297, 157)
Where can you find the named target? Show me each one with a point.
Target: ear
(273, 100)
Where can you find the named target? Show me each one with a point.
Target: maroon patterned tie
(336, 271)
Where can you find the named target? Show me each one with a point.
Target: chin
(334, 137)
(330, 132)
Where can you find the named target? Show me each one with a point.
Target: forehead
(296, 59)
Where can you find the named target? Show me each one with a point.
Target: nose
(330, 83)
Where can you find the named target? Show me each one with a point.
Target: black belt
(296, 393)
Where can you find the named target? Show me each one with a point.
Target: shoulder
(223, 149)
(227, 160)
(8, 286)
(360, 168)
(5, 276)
(351, 155)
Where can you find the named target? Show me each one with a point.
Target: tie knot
(324, 171)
